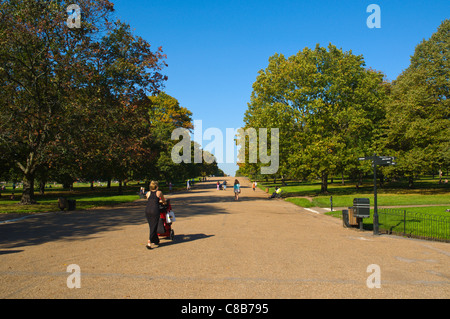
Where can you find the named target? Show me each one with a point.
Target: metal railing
(413, 224)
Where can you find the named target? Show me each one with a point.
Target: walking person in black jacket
(152, 213)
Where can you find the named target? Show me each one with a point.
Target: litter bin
(62, 203)
(361, 207)
(352, 218)
(72, 204)
(345, 218)
(349, 217)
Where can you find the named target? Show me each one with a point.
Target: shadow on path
(84, 225)
(182, 238)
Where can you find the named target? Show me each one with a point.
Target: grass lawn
(432, 210)
(421, 220)
(424, 222)
(427, 191)
(384, 200)
(303, 202)
(85, 197)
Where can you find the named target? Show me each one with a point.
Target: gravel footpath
(251, 248)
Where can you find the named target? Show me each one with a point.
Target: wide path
(251, 248)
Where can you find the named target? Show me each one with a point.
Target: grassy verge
(427, 191)
(422, 219)
(431, 210)
(86, 198)
(303, 202)
(384, 200)
(422, 222)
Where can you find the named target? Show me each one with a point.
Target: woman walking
(237, 189)
(152, 213)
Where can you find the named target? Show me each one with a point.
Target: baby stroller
(164, 226)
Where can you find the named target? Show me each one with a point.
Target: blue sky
(216, 48)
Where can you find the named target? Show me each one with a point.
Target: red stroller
(164, 227)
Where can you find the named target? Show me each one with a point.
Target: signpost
(381, 161)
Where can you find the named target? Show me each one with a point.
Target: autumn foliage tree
(70, 95)
(42, 69)
(125, 71)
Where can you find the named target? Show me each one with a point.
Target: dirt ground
(251, 248)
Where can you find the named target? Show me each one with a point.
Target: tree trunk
(28, 190)
(41, 188)
(28, 180)
(120, 187)
(324, 186)
(381, 178)
(411, 181)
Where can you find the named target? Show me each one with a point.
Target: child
(237, 189)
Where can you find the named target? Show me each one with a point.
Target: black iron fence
(412, 224)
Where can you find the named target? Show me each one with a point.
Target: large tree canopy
(43, 70)
(326, 105)
(71, 98)
(418, 115)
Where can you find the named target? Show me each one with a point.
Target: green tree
(418, 115)
(326, 105)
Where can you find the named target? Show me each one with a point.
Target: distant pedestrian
(188, 185)
(142, 192)
(224, 185)
(218, 185)
(237, 189)
(254, 186)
